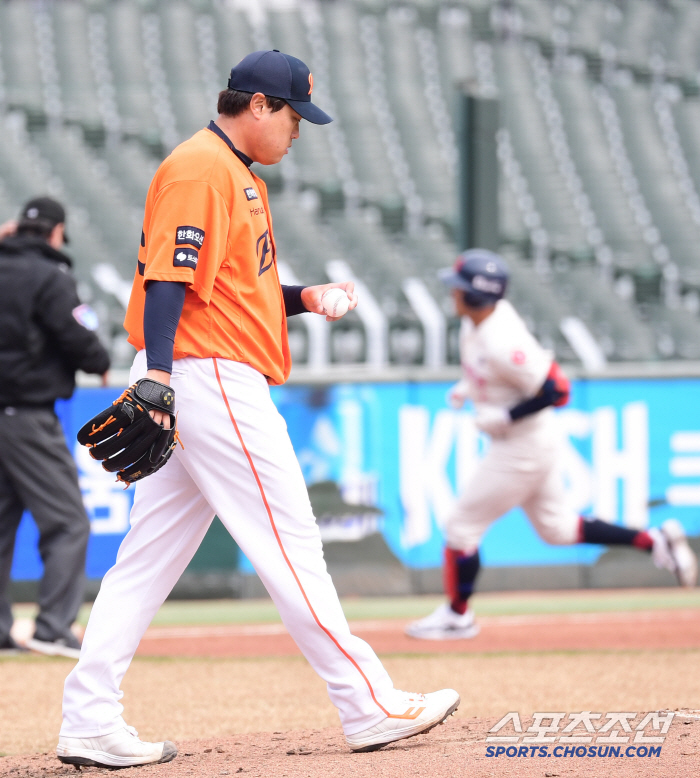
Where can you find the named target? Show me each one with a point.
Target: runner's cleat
(444, 624)
(672, 552)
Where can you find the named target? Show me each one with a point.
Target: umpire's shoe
(411, 714)
(118, 749)
(8, 647)
(68, 646)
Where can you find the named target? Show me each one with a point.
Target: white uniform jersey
(503, 364)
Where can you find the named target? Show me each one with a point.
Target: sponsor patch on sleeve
(86, 316)
(191, 236)
(250, 193)
(185, 258)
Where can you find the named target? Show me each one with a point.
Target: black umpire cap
(43, 212)
(275, 74)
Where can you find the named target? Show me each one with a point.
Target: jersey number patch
(262, 249)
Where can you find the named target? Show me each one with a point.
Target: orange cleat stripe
(408, 714)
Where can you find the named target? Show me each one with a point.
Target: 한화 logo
(584, 734)
(191, 236)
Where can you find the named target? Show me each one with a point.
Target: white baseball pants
(238, 463)
(526, 475)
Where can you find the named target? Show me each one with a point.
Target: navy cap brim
(450, 278)
(312, 113)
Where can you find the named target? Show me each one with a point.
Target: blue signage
(630, 453)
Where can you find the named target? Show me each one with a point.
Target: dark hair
(41, 231)
(232, 102)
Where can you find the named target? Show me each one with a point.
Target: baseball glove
(125, 437)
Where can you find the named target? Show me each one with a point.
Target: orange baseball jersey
(207, 222)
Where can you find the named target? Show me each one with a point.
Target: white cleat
(444, 624)
(412, 714)
(672, 552)
(118, 749)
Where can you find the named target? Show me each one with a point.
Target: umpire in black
(45, 336)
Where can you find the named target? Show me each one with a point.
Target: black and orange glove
(125, 437)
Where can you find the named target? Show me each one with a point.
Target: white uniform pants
(509, 476)
(238, 463)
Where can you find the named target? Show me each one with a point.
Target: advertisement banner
(630, 453)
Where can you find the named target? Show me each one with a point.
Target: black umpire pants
(37, 473)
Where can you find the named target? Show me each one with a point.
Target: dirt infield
(658, 629)
(238, 699)
(454, 750)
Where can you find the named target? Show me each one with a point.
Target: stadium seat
(133, 97)
(192, 106)
(657, 179)
(349, 86)
(20, 58)
(78, 86)
(599, 190)
(596, 166)
(311, 153)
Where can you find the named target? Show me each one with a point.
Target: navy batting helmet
(480, 274)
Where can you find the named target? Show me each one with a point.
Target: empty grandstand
(598, 151)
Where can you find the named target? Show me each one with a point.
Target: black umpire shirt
(42, 343)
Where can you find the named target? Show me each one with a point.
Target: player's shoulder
(203, 158)
(192, 160)
(509, 333)
(506, 311)
(505, 323)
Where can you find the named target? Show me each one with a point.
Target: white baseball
(335, 302)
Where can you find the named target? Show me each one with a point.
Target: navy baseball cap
(275, 74)
(481, 274)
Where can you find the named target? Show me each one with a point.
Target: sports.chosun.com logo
(584, 734)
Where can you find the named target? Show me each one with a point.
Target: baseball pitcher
(207, 316)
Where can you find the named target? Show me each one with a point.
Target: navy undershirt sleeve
(292, 300)
(161, 315)
(164, 303)
(543, 399)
